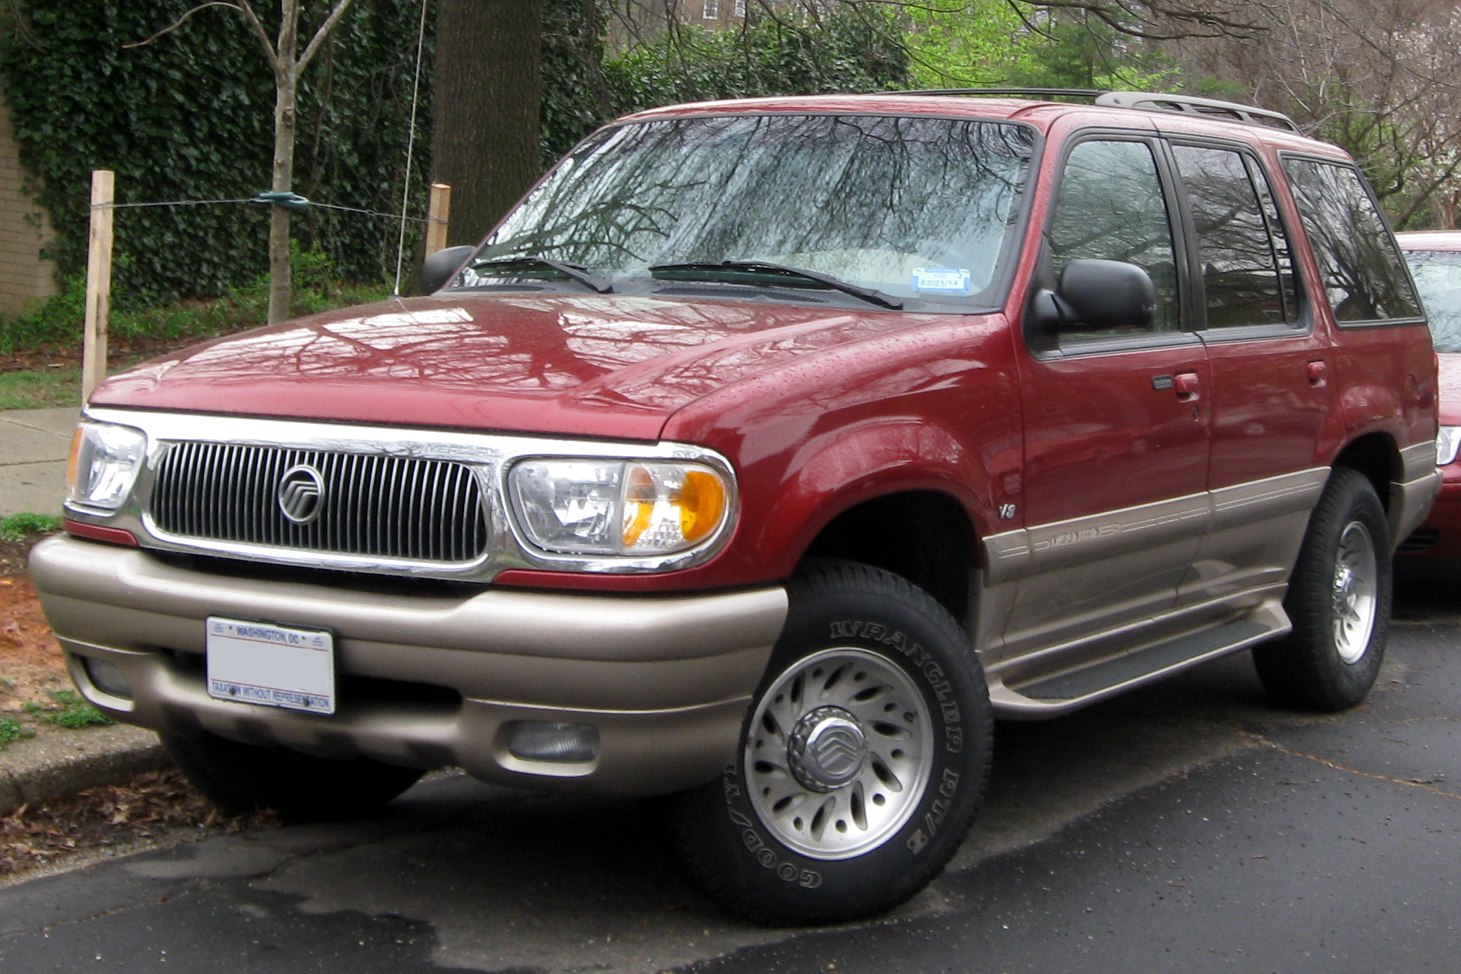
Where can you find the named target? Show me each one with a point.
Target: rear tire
(1338, 601)
(300, 787)
(863, 758)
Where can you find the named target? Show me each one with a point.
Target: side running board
(1049, 695)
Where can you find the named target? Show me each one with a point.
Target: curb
(60, 763)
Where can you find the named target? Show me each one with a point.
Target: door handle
(1186, 385)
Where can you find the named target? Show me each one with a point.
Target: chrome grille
(370, 505)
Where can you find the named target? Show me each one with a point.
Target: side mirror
(1108, 293)
(1095, 294)
(440, 267)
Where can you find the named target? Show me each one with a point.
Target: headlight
(618, 507)
(105, 460)
(1448, 442)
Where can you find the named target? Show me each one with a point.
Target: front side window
(1111, 206)
(917, 208)
(1247, 274)
(1363, 275)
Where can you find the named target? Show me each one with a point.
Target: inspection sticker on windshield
(275, 666)
(943, 280)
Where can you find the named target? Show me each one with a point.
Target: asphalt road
(1187, 827)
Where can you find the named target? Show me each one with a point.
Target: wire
(410, 146)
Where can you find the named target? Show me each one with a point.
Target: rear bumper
(430, 680)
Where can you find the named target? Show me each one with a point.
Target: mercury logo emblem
(838, 752)
(301, 494)
(827, 749)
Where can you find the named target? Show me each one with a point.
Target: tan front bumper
(431, 680)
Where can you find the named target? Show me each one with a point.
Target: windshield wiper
(870, 295)
(577, 272)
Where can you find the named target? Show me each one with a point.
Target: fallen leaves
(150, 806)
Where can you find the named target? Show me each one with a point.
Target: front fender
(879, 459)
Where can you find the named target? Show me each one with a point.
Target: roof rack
(1192, 105)
(1141, 100)
(1086, 93)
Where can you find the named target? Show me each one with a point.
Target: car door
(1116, 420)
(1271, 389)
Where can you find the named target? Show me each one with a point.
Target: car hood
(611, 365)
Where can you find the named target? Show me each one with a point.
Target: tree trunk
(280, 271)
(286, 79)
(484, 140)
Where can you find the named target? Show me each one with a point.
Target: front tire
(300, 787)
(863, 758)
(1338, 601)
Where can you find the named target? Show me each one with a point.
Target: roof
(1429, 239)
(1170, 114)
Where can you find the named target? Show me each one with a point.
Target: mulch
(147, 809)
(158, 806)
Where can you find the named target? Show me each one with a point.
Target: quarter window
(1247, 275)
(1361, 266)
(1111, 206)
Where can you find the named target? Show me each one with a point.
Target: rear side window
(1247, 271)
(1363, 274)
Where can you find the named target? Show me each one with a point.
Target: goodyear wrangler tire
(300, 787)
(863, 758)
(1339, 603)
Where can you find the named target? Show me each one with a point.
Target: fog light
(558, 743)
(108, 678)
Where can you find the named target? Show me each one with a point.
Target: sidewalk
(34, 444)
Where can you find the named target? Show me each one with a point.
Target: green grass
(13, 730)
(69, 710)
(18, 527)
(41, 389)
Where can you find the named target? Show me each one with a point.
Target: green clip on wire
(284, 198)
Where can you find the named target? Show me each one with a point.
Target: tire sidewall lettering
(922, 664)
(761, 849)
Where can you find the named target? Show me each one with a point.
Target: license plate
(273, 666)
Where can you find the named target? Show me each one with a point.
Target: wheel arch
(1376, 456)
(923, 536)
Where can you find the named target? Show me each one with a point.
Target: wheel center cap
(827, 749)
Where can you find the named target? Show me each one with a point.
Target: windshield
(1438, 278)
(916, 208)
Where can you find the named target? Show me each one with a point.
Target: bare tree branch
(324, 30)
(179, 22)
(262, 35)
(22, 25)
(1164, 19)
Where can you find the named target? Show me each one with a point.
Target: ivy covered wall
(189, 117)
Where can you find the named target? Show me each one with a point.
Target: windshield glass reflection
(1438, 278)
(913, 207)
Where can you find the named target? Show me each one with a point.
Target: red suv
(759, 459)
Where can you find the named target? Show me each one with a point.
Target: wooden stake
(98, 282)
(437, 213)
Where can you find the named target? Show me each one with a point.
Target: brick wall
(24, 228)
